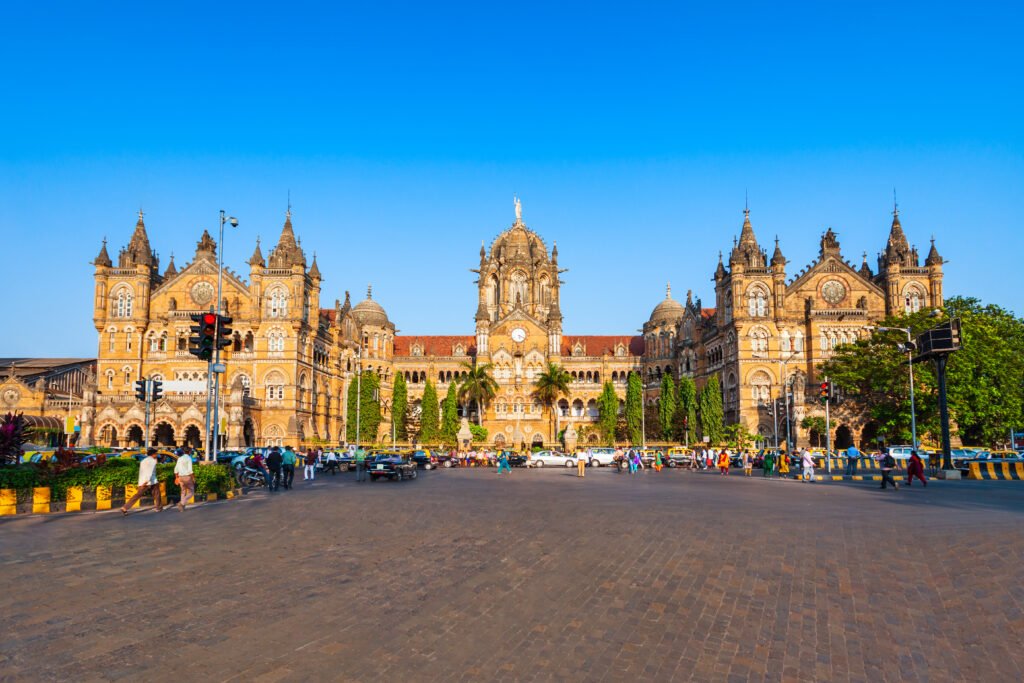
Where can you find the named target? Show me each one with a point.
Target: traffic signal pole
(149, 394)
(828, 431)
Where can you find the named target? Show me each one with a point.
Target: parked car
(681, 457)
(515, 458)
(423, 457)
(552, 459)
(392, 465)
(227, 457)
(601, 456)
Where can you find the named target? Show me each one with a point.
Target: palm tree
(551, 385)
(477, 385)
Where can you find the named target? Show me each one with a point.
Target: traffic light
(825, 393)
(140, 389)
(202, 341)
(156, 390)
(224, 332)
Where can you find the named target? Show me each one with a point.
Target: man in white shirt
(808, 462)
(147, 483)
(186, 480)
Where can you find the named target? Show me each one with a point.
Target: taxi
(683, 457)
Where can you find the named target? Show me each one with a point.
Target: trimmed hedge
(115, 472)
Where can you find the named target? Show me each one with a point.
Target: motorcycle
(251, 477)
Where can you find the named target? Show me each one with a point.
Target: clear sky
(631, 131)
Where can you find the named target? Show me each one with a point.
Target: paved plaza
(465, 575)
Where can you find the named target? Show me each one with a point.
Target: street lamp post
(359, 389)
(211, 453)
(786, 392)
(909, 348)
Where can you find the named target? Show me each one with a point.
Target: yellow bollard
(8, 501)
(129, 491)
(41, 500)
(211, 496)
(102, 497)
(74, 500)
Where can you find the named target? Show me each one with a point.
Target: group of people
(148, 484)
(278, 467)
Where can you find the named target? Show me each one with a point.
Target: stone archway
(538, 440)
(193, 437)
(108, 435)
(248, 433)
(164, 435)
(499, 440)
(844, 438)
(869, 437)
(135, 436)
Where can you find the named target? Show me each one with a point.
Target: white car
(601, 456)
(552, 459)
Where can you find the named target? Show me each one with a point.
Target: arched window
(128, 332)
(274, 383)
(127, 375)
(913, 298)
(111, 338)
(759, 340)
(757, 302)
(154, 342)
(277, 303)
(784, 342)
(275, 341)
(519, 290)
(761, 387)
(122, 304)
(798, 342)
(110, 379)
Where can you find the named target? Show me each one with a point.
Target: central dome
(519, 241)
(369, 312)
(669, 309)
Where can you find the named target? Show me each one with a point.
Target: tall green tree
(667, 405)
(450, 415)
(368, 415)
(985, 378)
(429, 422)
(607, 413)
(477, 386)
(634, 408)
(399, 408)
(711, 413)
(551, 385)
(684, 422)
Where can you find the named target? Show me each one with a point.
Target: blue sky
(402, 131)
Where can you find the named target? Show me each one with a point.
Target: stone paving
(465, 575)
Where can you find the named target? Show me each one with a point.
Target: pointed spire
(369, 291)
(483, 251)
(257, 256)
(138, 251)
(554, 252)
(689, 297)
(933, 256)
(668, 290)
(777, 258)
(720, 270)
(171, 270)
(865, 269)
(206, 245)
(314, 271)
(897, 248)
(287, 252)
(103, 258)
(747, 233)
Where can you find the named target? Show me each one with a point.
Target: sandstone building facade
(291, 362)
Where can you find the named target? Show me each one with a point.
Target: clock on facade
(519, 335)
(11, 397)
(833, 291)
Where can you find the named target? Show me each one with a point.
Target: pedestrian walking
(888, 465)
(657, 461)
(723, 462)
(807, 460)
(852, 458)
(748, 464)
(783, 466)
(634, 459)
(619, 458)
(184, 477)
(581, 462)
(915, 468)
(768, 466)
(147, 483)
(360, 464)
(274, 462)
(503, 464)
(309, 472)
(288, 460)
(934, 462)
(332, 463)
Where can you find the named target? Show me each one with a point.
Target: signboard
(69, 424)
(185, 386)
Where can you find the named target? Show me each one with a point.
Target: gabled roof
(434, 345)
(599, 345)
(820, 265)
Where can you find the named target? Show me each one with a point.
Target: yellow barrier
(129, 491)
(102, 497)
(997, 470)
(41, 499)
(8, 501)
(74, 501)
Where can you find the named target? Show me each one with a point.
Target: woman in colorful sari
(723, 462)
(784, 466)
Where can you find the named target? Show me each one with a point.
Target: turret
(102, 259)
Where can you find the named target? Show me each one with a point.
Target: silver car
(601, 456)
(552, 459)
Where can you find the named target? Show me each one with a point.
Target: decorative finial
(746, 203)
(140, 214)
(865, 256)
(668, 290)
(895, 206)
(257, 240)
(369, 291)
(288, 212)
(519, 209)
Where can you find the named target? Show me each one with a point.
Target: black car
(425, 459)
(391, 465)
(515, 459)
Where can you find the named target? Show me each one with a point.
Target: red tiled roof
(707, 313)
(328, 313)
(434, 345)
(598, 345)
